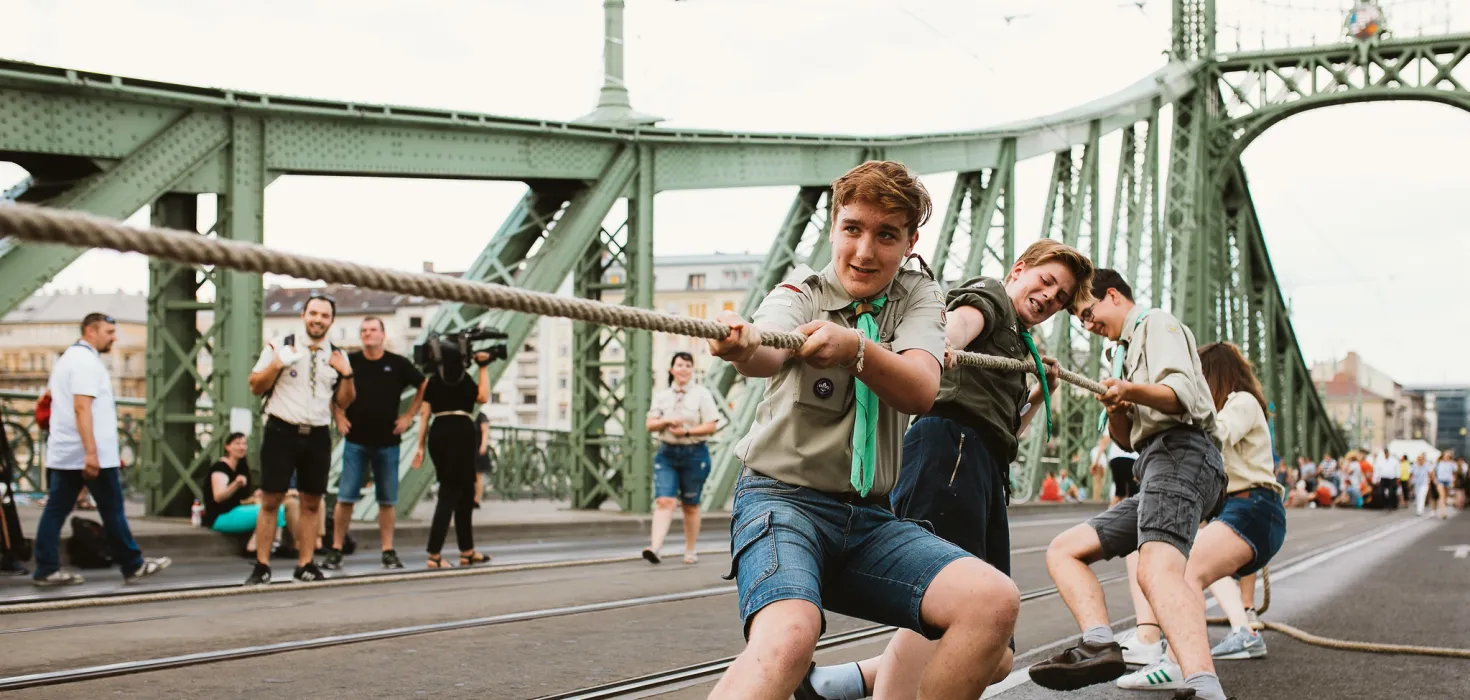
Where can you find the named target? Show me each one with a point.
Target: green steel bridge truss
(1183, 226)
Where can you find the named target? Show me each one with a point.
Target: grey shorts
(1181, 479)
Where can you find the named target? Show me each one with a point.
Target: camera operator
(453, 439)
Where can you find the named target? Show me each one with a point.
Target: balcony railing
(28, 441)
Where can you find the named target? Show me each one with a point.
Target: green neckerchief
(865, 428)
(1041, 370)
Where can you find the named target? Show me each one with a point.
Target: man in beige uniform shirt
(810, 528)
(1159, 405)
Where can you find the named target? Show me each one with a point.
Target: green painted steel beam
(636, 456)
(148, 172)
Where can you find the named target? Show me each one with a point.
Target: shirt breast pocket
(824, 391)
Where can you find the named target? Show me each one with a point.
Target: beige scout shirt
(803, 427)
(1161, 350)
(1245, 441)
(693, 403)
(294, 398)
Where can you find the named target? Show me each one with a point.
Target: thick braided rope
(36, 224)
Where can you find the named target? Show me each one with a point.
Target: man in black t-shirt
(371, 428)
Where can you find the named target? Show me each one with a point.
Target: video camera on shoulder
(461, 346)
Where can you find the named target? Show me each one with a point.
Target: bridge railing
(28, 440)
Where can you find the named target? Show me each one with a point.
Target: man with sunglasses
(300, 377)
(82, 451)
(1158, 404)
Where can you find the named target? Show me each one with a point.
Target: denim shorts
(949, 479)
(1258, 517)
(1181, 482)
(794, 543)
(679, 472)
(356, 460)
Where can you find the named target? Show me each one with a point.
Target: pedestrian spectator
(82, 451)
(1098, 470)
(1406, 473)
(1386, 468)
(1444, 479)
(1419, 476)
(449, 399)
(1050, 491)
(231, 504)
(300, 376)
(372, 430)
(682, 417)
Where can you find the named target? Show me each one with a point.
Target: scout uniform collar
(834, 296)
(1131, 321)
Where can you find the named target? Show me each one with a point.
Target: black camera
(465, 344)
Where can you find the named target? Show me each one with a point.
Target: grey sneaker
(59, 578)
(1241, 644)
(149, 568)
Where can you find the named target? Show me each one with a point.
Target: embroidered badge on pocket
(823, 388)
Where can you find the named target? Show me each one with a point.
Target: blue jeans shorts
(356, 460)
(1258, 517)
(950, 480)
(794, 543)
(679, 472)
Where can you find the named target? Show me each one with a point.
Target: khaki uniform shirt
(988, 401)
(694, 403)
(1161, 350)
(803, 427)
(1245, 441)
(304, 389)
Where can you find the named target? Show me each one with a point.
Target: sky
(1359, 203)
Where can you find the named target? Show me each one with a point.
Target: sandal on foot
(473, 558)
(436, 562)
(691, 558)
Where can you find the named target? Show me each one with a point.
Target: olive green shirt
(1161, 350)
(802, 433)
(986, 400)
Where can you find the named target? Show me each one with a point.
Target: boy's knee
(1079, 543)
(666, 504)
(785, 633)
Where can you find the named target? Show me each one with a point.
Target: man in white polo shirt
(82, 451)
(301, 375)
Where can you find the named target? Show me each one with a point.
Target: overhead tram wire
(37, 224)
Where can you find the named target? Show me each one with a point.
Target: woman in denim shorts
(683, 417)
(1249, 529)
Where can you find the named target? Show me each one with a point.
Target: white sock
(1206, 686)
(840, 682)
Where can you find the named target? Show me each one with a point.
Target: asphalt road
(512, 661)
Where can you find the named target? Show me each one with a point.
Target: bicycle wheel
(23, 446)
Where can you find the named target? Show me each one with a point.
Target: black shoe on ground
(309, 573)
(259, 576)
(333, 560)
(651, 556)
(1081, 666)
(11, 567)
(391, 560)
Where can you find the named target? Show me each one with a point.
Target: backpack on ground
(87, 548)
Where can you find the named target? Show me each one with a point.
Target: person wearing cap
(811, 529)
(957, 456)
(301, 376)
(1158, 404)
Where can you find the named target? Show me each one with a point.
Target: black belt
(273, 421)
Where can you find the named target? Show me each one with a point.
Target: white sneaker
(1139, 653)
(1164, 675)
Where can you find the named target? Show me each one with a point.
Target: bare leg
(782, 638)
(341, 518)
(1175, 587)
(387, 518)
(663, 517)
(265, 525)
(1227, 594)
(1067, 560)
(691, 528)
(976, 606)
(904, 661)
(1248, 591)
(307, 527)
(1148, 623)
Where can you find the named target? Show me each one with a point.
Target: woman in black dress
(453, 439)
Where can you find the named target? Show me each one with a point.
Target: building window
(729, 306)
(697, 310)
(613, 381)
(564, 350)
(561, 382)
(528, 399)
(561, 411)
(696, 281)
(415, 321)
(528, 348)
(494, 397)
